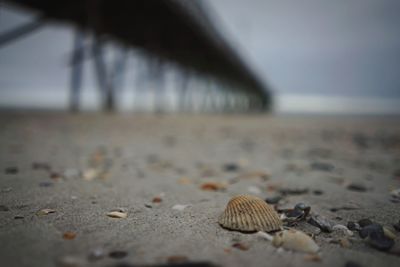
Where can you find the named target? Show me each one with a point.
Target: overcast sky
(341, 48)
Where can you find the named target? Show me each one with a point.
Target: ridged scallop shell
(248, 214)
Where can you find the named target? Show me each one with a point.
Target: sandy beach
(153, 169)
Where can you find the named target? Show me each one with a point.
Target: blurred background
(336, 57)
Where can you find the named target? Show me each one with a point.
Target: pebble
(11, 170)
(321, 222)
(342, 228)
(231, 167)
(41, 166)
(397, 226)
(46, 184)
(376, 237)
(318, 192)
(4, 208)
(357, 187)
(96, 254)
(118, 254)
(18, 217)
(293, 191)
(273, 200)
(69, 235)
(240, 246)
(322, 166)
(364, 222)
(353, 226)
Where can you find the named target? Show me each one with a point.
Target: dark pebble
(118, 254)
(294, 191)
(41, 166)
(397, 226)
(364, 222)
(18, 217)
(376, 237)
(318, 192)
(45, 184)
(380, 242)
(353, 226)
(375, 228)
(11, 170)
(148, 206)
(357, 187)
(273, 200)
(231, 167)
(321, 222)
(294, 213)
(352, 264)
(322, 166)
(4, 208)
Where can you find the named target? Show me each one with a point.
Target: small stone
(293, 191)
(321, 222)
(69, 235)
(213, 186)
(376, 237)
(157, 200)
(118, 254)
(41, 166)
(318, 192)
(322, 166)
(231, 167)
(45, 184)
(357, 187)
(397, 226)
(273, 200)
(240, 246)
(353, 226)
(11, 170)
(55, 176)
(18, 217)
(148, 206)
(343, 229)
(4, 208)
(44, 212)
(96, 254)
(364, 222)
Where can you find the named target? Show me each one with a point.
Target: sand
(99, 163)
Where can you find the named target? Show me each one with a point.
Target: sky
(310, 49)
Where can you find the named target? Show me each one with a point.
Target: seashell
(295, 240)
(248, 214)
(117, 214)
